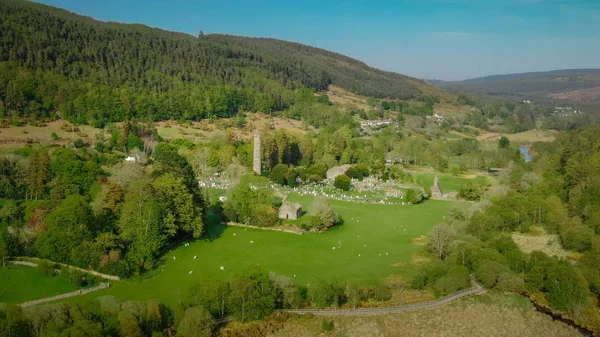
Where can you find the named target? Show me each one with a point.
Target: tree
(179, 205)
(212, 295)
(503, 143)
(252, 296)
(141, 225)
(67, 228)
(342, 182)
(323, 210)
(38, 173)
(196, 322)
(440, 239)
(279, 174)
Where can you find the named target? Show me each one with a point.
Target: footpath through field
(475, 289)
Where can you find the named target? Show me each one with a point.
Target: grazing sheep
(333, 248)
(234, 234)
(294, 275)
(191, 272)
(358, 254)
(187, 244)
(222, 268)
(174, 258)
(251, 241)
(195, 257)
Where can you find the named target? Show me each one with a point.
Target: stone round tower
(257, 164)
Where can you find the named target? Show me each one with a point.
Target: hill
(528, 84)
(56, 62)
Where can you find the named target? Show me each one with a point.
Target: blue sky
(442, 39)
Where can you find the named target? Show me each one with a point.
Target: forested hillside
(56, 63)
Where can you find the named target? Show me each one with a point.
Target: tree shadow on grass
(214, 227)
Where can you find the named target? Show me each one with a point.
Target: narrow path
(475, 289)
(22, 260)
(67, 295)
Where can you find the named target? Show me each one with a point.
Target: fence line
(92, 272)
(67, 295)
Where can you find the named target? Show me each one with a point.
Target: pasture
(371, 240)
(23, 283)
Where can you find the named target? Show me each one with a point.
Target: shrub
(358, 171)
(456, 279)
(291, 179)
(342, 182)
(54, 136)
(76, 277)
(489, 272)
(510, 283)
(78, 143)
(326, 325)
(414, 196)
(47, 268)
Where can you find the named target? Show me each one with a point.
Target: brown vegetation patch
(204, 130)
(521, 137)
(485, 315)
(588, 94)
(539, 240)
(419, 241)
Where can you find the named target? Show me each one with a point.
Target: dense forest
(55, 62)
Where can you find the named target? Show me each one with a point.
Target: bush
(47, 268)
(326, 325)
(470, 191)
(414, 196)
(79, 143)
(489, 272)
(342, 182)
(76, 277)
(358, 171)
(510, 283)
(291, 179)
(456, 279)
(54, 136)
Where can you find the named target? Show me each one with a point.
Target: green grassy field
(447, 180)
(367, 232)
(23, 283)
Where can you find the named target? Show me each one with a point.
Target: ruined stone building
(290, 211)
(436, 189)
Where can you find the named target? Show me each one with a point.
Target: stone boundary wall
(23, 263)
(67, 295)
(92, 272)
(263, 228)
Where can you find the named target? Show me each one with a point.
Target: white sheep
(333, 248)
(191, 272)
(234, 234)
(222, 268)
(251, 241)
(174, 258)
(195, 257)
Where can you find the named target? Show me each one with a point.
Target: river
(525, 151)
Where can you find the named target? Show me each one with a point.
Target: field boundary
(66, 295)
(476, 288)
(236, 224)
(92, 272)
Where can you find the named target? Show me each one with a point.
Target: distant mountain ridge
(532, 83)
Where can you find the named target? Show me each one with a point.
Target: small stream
(525, 152)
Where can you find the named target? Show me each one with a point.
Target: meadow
(370, 241)
(23, 283)
(482, 315)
